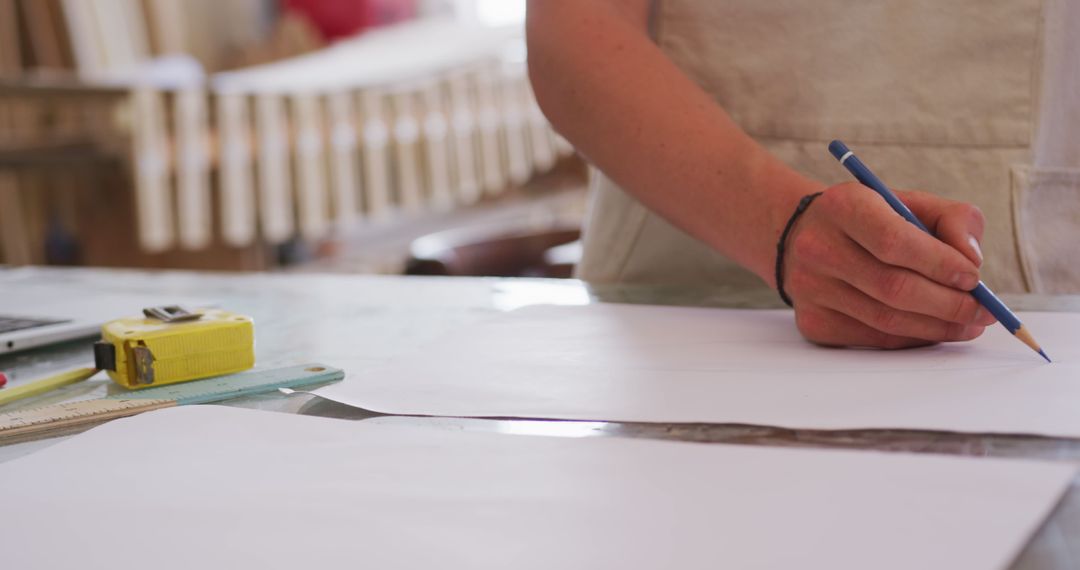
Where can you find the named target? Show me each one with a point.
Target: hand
(861, 275)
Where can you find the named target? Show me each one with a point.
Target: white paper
(677, 364)
(203, 485)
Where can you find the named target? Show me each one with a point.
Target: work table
(355, 322)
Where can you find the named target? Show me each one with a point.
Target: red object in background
(342, 18)
(3, 379)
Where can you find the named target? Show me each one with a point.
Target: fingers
(862, 275)
(958, 224)
(822, 261)
(893, 322)
(906, 290)
(827, 327)
(871, 223)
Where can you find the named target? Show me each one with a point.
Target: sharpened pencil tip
(1025, 337)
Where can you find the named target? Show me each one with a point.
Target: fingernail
(975, 247)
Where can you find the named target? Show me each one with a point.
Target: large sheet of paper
(677, 364)
(229, 488)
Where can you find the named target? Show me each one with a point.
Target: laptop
(38, 316)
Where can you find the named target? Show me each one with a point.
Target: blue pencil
(982, 293)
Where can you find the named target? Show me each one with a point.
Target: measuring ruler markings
(69, 417)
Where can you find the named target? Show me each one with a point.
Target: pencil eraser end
(838, 149)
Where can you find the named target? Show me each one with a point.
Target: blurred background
(360, 136)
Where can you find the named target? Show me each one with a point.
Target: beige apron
(938, 95)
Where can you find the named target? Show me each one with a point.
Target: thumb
(958, 224)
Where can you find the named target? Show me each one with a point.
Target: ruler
(72, 417)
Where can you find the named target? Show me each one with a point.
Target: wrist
(783, 188)
(781, 245)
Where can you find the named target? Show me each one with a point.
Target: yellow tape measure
(172, 344)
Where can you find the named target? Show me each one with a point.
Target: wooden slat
(59, 88)
(406, 141)
(121, 28)
(511, 109)
(10, 46)
(436, 139)
(47, 34)
(167, 25)
(463, 138)
(194, 215)
(34, 187)
(312, 200)
(86, 47)
(63, 35)
(236, 188)
(13, 231)
(51, 151)
(376, 157)
(276, 212)
(154, 203)
(344, 157)
(492, 167)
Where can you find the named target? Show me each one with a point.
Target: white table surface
(362, 320)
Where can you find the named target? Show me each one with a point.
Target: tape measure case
(173, 345)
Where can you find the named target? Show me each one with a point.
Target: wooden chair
(423, 116)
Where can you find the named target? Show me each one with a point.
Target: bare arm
(858, 273)
(634, 114)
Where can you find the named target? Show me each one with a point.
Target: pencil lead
(1043, 354)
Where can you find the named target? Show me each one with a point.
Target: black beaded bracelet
(803, 205)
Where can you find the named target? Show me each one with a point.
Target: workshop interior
(346, 136)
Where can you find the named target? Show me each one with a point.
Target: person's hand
(859, 274)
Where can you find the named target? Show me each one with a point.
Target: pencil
(982, 293)
(45, 384)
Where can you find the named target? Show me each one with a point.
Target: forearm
(609, 90)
